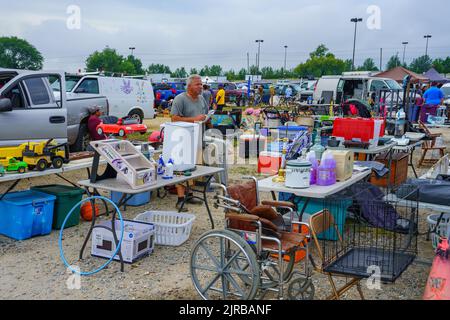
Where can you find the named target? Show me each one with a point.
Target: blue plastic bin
(337, 208)
(291, 133)
(137, 200)
(26, 214)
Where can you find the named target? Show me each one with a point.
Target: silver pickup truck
(31, 111)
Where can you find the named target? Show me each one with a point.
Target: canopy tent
(435, 76)
(399, 73)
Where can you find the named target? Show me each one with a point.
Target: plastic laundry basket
(171, 228)
(442, 229)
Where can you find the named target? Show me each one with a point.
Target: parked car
(167, 91)
(31, 111)
(123, 127)
(232, 93)
(127, 96)
(352, 86)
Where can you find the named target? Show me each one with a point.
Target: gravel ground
(32, 269)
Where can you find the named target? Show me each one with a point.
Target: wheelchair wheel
(270, 271)
(214, 270)
(301, 289)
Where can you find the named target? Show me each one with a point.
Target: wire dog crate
(377, 236)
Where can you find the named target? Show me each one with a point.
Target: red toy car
(123, 127)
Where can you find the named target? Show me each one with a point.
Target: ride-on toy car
(16, 165)
(123, 127)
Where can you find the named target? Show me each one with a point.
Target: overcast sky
(194, 33)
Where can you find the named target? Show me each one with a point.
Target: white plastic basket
(171, 228)
(442, 230)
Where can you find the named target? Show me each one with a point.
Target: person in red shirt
(93, 121)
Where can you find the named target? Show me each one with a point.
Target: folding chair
(430, 145)
(320, 223)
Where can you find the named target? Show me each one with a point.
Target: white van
(356, 85)
(126, 96)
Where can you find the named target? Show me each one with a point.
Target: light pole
(355, 20)
(259, 51)
(132, 49)
(404, 50)
(285, 57)
(427, 37)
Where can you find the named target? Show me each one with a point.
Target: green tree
(242, 73)
(180, 73)
(321, 62)
(137, 64)
(18, 53)
(421, 64)
(268, 73)
(441, 65)
(193, 71)
(108, 60)
(348, 65)
(254, 70)
(368, 65)
(158, 68)
(215, 71)
(231, 75)
(394, 62)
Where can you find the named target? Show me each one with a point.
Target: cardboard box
(344, 164)
(138, 240)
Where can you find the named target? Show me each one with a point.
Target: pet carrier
(378, 235)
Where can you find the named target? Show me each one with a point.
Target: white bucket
(442, 230)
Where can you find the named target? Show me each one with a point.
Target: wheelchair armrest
(278, 204)
(242, 217)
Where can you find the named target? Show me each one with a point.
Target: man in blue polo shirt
(434, 96)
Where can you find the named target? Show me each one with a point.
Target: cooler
(357, 128)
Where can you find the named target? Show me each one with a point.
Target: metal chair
(430, 145)
(320, 223)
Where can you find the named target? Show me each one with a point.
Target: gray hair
(191, 78)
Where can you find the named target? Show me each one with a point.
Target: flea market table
(123, 187)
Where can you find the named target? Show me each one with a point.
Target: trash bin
(66, 198)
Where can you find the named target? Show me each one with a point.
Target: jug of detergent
(168, 170)
(161, 166)
(326, 173)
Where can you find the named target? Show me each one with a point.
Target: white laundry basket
(171, 228)
(442, 230)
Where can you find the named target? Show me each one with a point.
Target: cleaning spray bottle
(168, 172)
(161, 165)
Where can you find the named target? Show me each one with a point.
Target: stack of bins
(66, 198)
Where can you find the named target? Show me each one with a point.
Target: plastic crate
(26, 214)
(136, 200)
(289, 132)
(66, 198)
(171, 228)
(356, 128)
(442, 230)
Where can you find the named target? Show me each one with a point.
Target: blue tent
(436, 76)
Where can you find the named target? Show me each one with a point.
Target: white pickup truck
(31, 111)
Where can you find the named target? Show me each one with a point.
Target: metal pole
(259, 53)
(355, 20)
(404, 51)
(248, 63)
(285, 56)
(381, 59)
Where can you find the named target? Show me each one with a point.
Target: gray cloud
(196, 33)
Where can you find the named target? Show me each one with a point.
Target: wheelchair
(255, 253)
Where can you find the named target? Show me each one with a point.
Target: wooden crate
(399, 170)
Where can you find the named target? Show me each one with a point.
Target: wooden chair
(430, 145)
(320, 223)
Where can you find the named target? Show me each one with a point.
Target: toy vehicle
(2, 170)
(40, 155)
(123, 127)
(16, 165)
